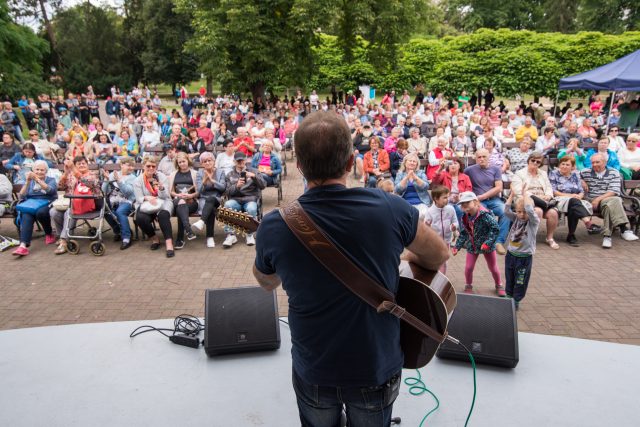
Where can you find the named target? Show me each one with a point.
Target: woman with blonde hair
(412, 184)
(210, 190)
(267, 162)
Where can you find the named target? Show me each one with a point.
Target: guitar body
(433, 304)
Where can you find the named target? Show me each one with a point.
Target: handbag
(61, 204)
(425, 310)
(150, 208)
(82, 206)
(31, 206)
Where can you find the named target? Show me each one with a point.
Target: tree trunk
(209, 85)
(257, 91)
(50, 33)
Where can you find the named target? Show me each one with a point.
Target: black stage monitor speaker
(239, 320)
(488, 327)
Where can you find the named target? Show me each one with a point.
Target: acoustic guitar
(423, 296)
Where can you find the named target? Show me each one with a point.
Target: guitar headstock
(240, 222)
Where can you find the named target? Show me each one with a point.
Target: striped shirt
(610, 181)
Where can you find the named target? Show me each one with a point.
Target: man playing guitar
(344, 352)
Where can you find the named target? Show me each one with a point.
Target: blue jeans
(459, 213)
(120, 223)
(496, 206)
(517, 271)
(321, 406)
(250, 207)
(27, 221)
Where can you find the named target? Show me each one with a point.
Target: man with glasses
(487, 185)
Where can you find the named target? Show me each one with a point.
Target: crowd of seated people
(225, 150)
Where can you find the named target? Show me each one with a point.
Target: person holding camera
(450, 175)
(244, 186)
(153, 201)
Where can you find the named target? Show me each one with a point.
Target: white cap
(467, 196)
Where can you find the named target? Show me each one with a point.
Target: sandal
(552, 243)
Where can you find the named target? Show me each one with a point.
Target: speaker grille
(240, 319)
(487, 326)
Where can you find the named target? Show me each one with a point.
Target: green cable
(473, 401)
(417, 387)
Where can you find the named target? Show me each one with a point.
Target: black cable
(185, 324)
(284, 321)
(135, 332)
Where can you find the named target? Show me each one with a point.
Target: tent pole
(606, 128)
(555, 104)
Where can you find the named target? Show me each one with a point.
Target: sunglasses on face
(150, 166)
(537, 162)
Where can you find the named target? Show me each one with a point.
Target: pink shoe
(468, 289)
(49, 239)
(500, 291)
(21, 251)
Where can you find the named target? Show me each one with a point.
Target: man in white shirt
(149, 137)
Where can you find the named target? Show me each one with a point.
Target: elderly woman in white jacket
(153, 201)
(539, 188)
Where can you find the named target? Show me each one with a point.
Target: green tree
(254, 45)
(133, 38)
(21, 53)
(90, 45)
(559, 16)
(383, 24)
(470, 15)
(609, 16)
(165, 34)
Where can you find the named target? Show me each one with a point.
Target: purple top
(483, 180)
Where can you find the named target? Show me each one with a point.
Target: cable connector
(185, 340)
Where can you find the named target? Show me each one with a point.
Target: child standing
(441, 216)
(521, 245)
(478, 235)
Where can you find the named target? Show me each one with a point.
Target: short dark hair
(323, 146)
(438, 191)
(78, 159)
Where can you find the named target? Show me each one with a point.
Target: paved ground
(584, 292)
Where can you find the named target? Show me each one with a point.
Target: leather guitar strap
(343, 269)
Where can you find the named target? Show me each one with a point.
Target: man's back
(337, 338)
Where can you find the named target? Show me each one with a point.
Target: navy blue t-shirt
(339, 340)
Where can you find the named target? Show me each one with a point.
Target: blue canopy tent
(621, 74)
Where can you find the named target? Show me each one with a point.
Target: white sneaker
(606, 242)
(230, 241)
(199, 225)
(629, 236)
(210, 242)
(251, 240)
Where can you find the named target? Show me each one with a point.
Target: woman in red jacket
(450, 175)
(376, 163)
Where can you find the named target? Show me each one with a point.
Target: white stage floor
(95, 375)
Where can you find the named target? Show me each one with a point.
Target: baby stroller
(74, 216)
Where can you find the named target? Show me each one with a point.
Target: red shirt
(206, 135)
(245, 150)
